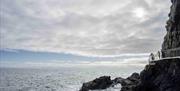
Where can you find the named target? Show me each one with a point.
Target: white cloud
(134, 61)
(83, 27)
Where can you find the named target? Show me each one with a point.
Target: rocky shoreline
(105, 82)
(163, 75)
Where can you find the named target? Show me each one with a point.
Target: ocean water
(59, 78)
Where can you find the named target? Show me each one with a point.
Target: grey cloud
(83, 27)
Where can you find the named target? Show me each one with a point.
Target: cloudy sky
(83, 28)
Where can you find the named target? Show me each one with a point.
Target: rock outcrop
(163, 76)
(99, 83)
(130, 83)
(171, 44)
(105, 82)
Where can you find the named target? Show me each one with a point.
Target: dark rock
(105, 82)
(134, 77)
(128, 88)
(171, 44)
(130, 83)
(118, 80)
(99, 83)
(132, 80)
(163, 76)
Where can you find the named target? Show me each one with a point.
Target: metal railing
(158, 56)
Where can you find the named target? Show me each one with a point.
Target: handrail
(153, 56)
(153, 61)
(167, 58)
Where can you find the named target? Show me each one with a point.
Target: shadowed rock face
(130, 83)
(98, 83)
(104, 82)
(163, 76)
(172, 38)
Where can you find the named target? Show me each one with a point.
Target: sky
(38, 31)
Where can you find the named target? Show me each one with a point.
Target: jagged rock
(99, 83)
(131, 82)
(118, 80)
(105, 82)
(172, 38)
(134, 77)
(128, 88)
(163, 76)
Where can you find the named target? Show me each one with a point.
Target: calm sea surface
(60, 78)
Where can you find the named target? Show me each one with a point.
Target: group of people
(154, 57)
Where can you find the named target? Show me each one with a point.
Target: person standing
(159, 55)
(151, 57)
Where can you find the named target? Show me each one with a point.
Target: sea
(63, 78)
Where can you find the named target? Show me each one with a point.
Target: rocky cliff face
(163, 76)
(171, 44)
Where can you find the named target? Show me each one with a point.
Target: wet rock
(99, 83)
(131, 82)
(118, 80)
(105, 82)
(163, 76)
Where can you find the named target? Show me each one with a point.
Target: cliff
(171, 44)
(163, 76)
